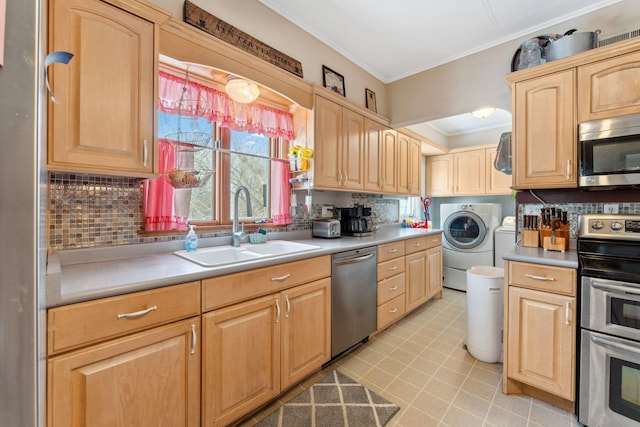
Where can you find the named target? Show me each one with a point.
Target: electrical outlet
(327, 211)
(611, 208)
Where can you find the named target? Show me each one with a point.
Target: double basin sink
(223, 255)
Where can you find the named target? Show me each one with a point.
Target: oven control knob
(616, 226)
(597, 225)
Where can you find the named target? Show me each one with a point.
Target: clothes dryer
(467, 239)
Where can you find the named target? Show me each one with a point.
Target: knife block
(562, 239)
(529, 238)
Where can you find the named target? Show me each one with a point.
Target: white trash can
(485, 307)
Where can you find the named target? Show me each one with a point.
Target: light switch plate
(611, 208)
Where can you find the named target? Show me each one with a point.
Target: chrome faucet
(239, 235)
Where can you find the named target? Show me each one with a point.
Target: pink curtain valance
(218, 107)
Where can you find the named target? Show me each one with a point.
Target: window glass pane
(251, 172)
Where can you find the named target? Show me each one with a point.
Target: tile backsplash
(90, 211)
(574, 210)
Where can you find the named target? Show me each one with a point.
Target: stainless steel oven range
(609, 255)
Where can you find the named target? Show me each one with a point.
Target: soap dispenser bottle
(191, 242)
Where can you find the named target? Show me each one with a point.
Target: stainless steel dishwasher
(353, 298)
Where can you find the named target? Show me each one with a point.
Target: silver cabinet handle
(193, 339)
(339, 178)
(569, 174)
(393, 250)
(145, 153)
(393, 310)
(395, 288)
(566, 312)
(286, 313)
(435, 240)
(417, 245)
(277, 311)
(137, 313)
(281, 278)
(494, 289)
(544, 279)
(393, 267)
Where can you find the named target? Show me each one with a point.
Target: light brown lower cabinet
(423, 266)
(540, 332)
(151, 378)
(256, 349)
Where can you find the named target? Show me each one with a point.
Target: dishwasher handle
(354, 259)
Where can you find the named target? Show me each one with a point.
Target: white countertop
(567, 258)
(78, 275)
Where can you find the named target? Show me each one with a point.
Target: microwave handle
(614, 288)
(602, 342)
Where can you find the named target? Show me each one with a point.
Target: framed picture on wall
(371, 100)
(333, 80)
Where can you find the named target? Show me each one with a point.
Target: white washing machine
(467, 239)
(505, 239)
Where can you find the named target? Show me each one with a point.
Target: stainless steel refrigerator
(22, 218)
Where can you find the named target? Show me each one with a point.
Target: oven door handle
(614, 288)
(613, 345)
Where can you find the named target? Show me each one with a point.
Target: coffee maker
(353, 221)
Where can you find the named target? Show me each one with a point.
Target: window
(251, 141)
(244, 160)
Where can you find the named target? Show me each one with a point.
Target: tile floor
(420, 364)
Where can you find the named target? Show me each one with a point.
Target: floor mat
(334, 401)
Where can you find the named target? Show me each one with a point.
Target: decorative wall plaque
(210, 24)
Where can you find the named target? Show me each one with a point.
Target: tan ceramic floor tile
(471, 403)
(483, 375)
(431, 404)
(501, 417)
(412, 417)
(449, 376)
(403, 390)
(424, 365)
(457, 365)
(479, 389)
(403, 356)
(392, 366)
(444, 390)
(457, 417)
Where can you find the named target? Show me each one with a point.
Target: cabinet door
(545, 132)
(241, 359)
(415, 161)
(434, 271)
(497, 182)
(147, 379)
(541, 340)
(609, 88)
(372, 155)
(469, 172)
(104, 121)
(402, 184)
(327, 144)
(416, 279)
(352, 157)
(440, 175)
(306, 330)
(389, 159)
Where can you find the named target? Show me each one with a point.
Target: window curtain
(218, 107)
(280, 192)
(168, 209)
(164, 207)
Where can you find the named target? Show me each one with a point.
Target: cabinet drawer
(390, 268)
(390, 288)
(415, 245)
(558, 280)
(434, 240)
(390, 311)
(390, 250)
(88, 322)
(232, 288)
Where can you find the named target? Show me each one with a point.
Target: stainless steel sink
(223, 255)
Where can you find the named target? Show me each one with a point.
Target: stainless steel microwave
(610, 152)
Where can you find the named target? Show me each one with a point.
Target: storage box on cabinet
(76, 325)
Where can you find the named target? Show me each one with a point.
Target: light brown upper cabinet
(544, 132)
(609, 88)
(389, 160)
(496, 182)
(373, 155)
(339, 146)
(409, 155)
(104, 121)
(466, 172)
